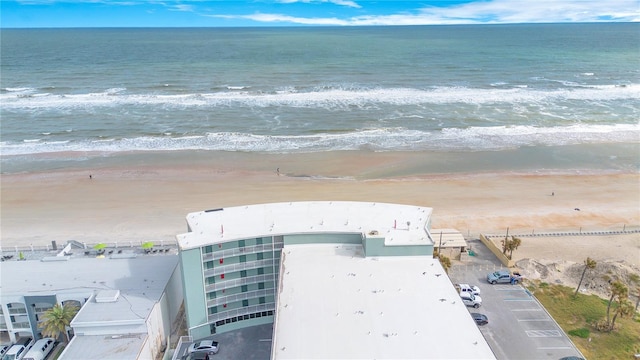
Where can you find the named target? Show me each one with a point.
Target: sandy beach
(133, 202)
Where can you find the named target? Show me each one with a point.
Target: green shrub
(581, 333)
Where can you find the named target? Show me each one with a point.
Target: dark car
(480, 319)
(199, 355)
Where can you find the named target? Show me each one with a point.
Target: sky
(238, 13)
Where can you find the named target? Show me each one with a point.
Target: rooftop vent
(105, 296)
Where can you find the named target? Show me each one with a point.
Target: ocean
(529, 97)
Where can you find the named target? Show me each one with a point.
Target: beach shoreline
(148, 201)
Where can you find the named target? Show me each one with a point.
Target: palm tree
(625, 307)
(619, 291)
(514, 245)
(589, 263)
(56, 320)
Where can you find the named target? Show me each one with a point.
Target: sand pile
(568, 273)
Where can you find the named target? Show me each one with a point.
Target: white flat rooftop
(119, 347)
(336, 304)
(141, 282)
(398, 224)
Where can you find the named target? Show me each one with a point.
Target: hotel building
(337, 280)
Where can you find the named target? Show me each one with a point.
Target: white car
(208, 346)
(469, 289)
(471, 300)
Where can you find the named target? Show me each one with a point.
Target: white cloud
(347, 3)
(181, 7)
(279, 18)
(522, 11)
(478, 12)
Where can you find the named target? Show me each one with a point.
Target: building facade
(231, 258)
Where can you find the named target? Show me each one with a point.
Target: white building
(337, 279)
(127, 303)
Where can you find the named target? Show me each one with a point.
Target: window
(259, 241)
(245, 302)
(260, 285)
(262, 300)
(243, 273)
(260, 256)
(213, 310)
(243, 258)
(208, 249)
(245, 288)
(240, 243)
(212, 328)
(208, 265)
(260, 271)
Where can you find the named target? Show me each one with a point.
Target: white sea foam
(331, 98)
(377, 139)
(19, 89)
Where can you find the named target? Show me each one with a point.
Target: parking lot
(519, 327)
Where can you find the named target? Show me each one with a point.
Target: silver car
(208, 346)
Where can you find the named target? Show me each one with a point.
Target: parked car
(207, 346)
(19, 349)
(468, 289)
(40, 350)
(196, 356)
(503, 277)
(480, 319)
(3, 349)
(471, 300)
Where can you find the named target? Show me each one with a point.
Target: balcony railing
(21, 325)
(241, 296)
(225, 269)
(225, 284)
(242, 251)
(246, 310)
(18, 311)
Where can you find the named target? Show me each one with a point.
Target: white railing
(183, 339)
(224, 269)
(241, 251)
(83, 245)
(239, 282)
(241, 296)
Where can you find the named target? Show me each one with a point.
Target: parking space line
(543, 333)
(509, 288)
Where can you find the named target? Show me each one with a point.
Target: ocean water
(547, 92)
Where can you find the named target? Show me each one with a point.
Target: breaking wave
(382, 139)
